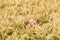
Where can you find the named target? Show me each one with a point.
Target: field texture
(15, 16)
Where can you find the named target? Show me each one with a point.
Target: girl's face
(31, 22)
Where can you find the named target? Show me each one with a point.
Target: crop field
(29, 19)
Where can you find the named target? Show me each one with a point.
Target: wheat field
(14, 15)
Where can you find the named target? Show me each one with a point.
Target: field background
(14, 15)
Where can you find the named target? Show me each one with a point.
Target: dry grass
(14, 15)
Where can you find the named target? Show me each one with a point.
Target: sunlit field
(29, 19)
